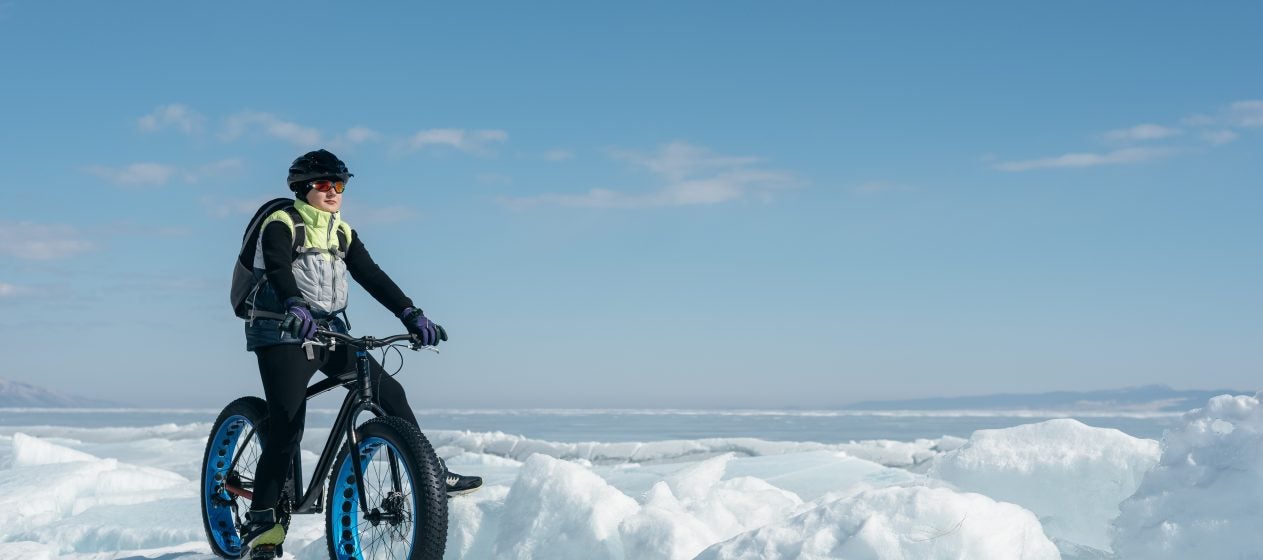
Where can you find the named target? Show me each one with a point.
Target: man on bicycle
(297, 290)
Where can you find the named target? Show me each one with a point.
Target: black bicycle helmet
(320, 164)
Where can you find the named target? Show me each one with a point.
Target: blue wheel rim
(345, 501)
(219, 514)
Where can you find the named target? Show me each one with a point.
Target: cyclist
(299, 289)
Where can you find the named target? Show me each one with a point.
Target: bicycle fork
(363, 367)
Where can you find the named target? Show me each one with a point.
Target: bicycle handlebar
(368, 342)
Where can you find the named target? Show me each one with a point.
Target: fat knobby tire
(254, 410)
(427, 479)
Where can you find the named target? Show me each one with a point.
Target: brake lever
(417, 347)
(309, 346)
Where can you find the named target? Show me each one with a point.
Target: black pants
(286, 371)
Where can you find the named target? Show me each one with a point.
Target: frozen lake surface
(653, 425)
(632, 484)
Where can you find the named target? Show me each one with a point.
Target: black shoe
(459, 484)
(262, 534)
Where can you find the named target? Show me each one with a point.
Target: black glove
(428, 331)
(298, 320)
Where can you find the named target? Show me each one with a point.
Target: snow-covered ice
(1205, 497)
(1071, 475)
(898, 522)
(1049, 489)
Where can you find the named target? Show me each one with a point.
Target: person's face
(330, 200)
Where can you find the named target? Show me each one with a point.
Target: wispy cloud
(1217, 128)
(353, 137)
(1246, 114)
(150, 174)
(213, 170)
(175, 116)
(558, 155)
(1238, 114)
(1141, 133)
(270, 125)
(677, 160)
(688, 175)
(1116, 157)
(1219, 137)
(472, 141)
(11, 290)
(360, 134)
(136, 174)
(29, 240)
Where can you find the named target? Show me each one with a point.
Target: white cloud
(175, 116)
(473, 141)
(677, 160)
(1245, 114)
(691, 175)
(214, 170)
(10, 290)
(136, 174)
(1216, 129)
(270, 125)
(360, 134)
(1140, 133)
(353, 136)
(1239, 114)
(29, 240)
(558, 155)
(1219, 137)
(1123, 156)
(157, 174)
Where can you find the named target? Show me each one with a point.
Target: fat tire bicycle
(386, 492)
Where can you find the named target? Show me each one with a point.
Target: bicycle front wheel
(404, 488)
(228, 474)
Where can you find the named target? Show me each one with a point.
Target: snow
(1071, 475)
(81, 503)
(1203, 498)
(498, 444)
(558, 509)
(695, 507)
(1050, 489)
(896, 523)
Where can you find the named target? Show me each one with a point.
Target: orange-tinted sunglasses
(324, 185)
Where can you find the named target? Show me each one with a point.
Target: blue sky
(651, 204)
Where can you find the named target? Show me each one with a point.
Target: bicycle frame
(357, 401)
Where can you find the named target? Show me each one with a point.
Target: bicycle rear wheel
(228, 474)
(407, 499)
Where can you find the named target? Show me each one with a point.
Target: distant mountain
(18, 394)
(1149, 398)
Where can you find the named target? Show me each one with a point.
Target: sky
(650, 204)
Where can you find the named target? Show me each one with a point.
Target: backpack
(243, 279)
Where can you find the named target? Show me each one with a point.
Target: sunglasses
(325, 184)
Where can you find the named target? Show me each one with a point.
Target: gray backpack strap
(256, 314)
(300, 229)
(343, 245)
